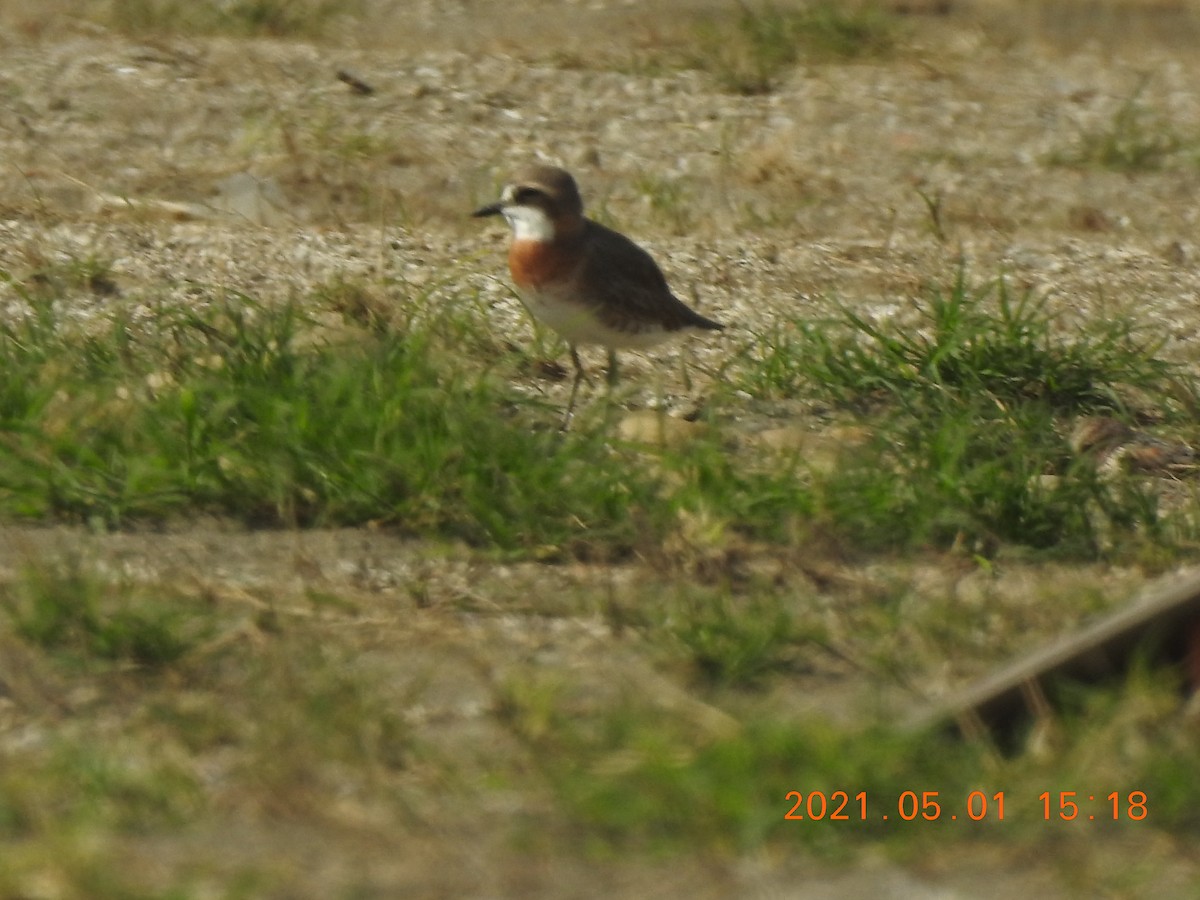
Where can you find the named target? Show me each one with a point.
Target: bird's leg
(580, 375)
(685, 372)
(611, 380)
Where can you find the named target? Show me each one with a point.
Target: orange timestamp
(976, 806)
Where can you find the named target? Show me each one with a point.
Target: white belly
(578, 325)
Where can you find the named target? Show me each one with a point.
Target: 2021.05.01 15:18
(928, 805)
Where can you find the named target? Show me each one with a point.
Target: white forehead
(509, 193)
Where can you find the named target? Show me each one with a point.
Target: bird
(589, 283)
(1113, 446)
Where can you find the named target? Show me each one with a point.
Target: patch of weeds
(243, 18)
(62, 607)
(1169, 781)
(328, 136)
(633, 778)
(202, 721)
(966, 403)
(1136, 139)
(934, 212)
(359, 303)
(962, 345)
(358, 146)
(262, 414)
(333, 161)
(113, 788)
(54, 278)
(321, 723)
(467, 329)
(776, 366)
(1123, 735)
(965, 342)
(716, 500)
(734, 641)
(751, 57)
(966, 477)
(80, 783)
(668, 201)
(531, 706)
(715, 507)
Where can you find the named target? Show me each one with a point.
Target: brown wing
(631, 293)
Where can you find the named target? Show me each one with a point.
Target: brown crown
(556, 186)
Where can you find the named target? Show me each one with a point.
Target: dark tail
(698, 321)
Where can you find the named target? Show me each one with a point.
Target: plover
(589, 283)
(1113, 446)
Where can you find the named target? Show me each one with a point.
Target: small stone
(648, 426)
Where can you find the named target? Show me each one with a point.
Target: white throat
(529, 223)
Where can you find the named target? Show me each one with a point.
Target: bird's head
(540, 203)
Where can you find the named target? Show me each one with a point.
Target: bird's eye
(526, 194)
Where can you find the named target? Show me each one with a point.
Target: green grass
(338, 410)
(292, 722)
(633, 779)
(340, 159)
(78, 626)
(968, 402)
(130, 740)
(736, 641)
(752, 54)
(64, 609)
(730, 793)
(962, 341)
(240, 18)
(309, 714)
(105, 787)
(91, 274)
(256, 413)
(669, 201)
(1136, 139)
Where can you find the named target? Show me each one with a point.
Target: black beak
(492, 209)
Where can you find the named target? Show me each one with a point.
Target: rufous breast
(536, 264)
